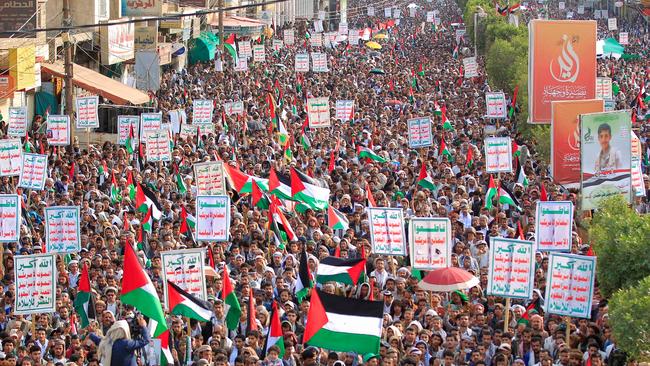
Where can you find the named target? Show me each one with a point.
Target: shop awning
(99, 84)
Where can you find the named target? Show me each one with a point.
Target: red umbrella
(448, 279)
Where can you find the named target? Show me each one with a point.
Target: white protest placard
(318, 26)
(212, 218)
(62, 232)
(318, 110)
(157, 145)
(430, 240)
(209, 178)
(611, 24)
(277, 45)
(259, 53)
(471, 67)
(561, 5)
(420, 132)
(58, 130)
(604, 88)
(581, 9)
(511, 271)
(11, 218)
(604, 14)
(87, 115)
(638, 186)
(316, 40)
(437, 21)
(570, 285)
(498, 155)
(33, 171)
(430, 17)
(343, 29)
(345, 110)
(289, 37)
(35, 280)
(124, 126)
(302, 62)
(188, 131)
(412, 12)
(232, 108)
(149, 122)
(371, 11)
(388, 12)
(623, 38)
(242, 65)
(11, 157)
(460, 32)
(397, 13)
(353, 37)
(495, 104)
(387, 230)
(245, 49)
(202, 112)
(17, 121)
(553, 226)
(185, 269)
(318, 62)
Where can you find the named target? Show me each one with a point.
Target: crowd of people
(420, 328)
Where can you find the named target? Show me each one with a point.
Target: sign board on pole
(58, 130)
(345, 110)
(553, 226)
(471, 67)
(387, 230)
(202, 112)
(498, 155)
(604, 88)
(185, 269)
(570, 285)
(259, 53)
(62, 229)
(87, 115)
(11, 157)
(17, 121)
(212, 218)
(318, 110)
(33, 171)
(35, 280)
(302, 62)
(210, 179)
(511, 270)
(157, 145)
(495, 105)
(11, 217)
(431, 243)
(420, 132)
(124, 125)
(319, 62)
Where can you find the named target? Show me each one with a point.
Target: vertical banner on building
(302, 62)
(209, 178)
(605, 157)
(430, 242)
(570, 285)
(185, 269)
(33, 171)
(149, 122)
(17, 121)
(553, 226)
(561, 65)
(511, 271)
(62, 230)
(318, 110)
(117, 42)
(212, 218)
(124, 125)
(471, 67)
(498, 155)
(495, 104)
(387, 230)
(259, 53)
(345, 110)
(604, 88)
(420, 132)
(565, 138)
(11, 157)
(87, 112)
(147, 70)
(157, 145)
(202, 111)
(58, 130)
(11, 218)
(35, 280)
(289, 37)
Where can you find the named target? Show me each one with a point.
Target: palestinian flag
(130, 185)
(279, 223)
(166, 357)
(260, 200)
(424, 179)
(371, 199)
(421, 70)
(232, 309)
(280, 185)
(139, 292)
(469, 160)
(115, 190)
(183, 303)
(242, 182)
(188, 222)
(147, 221)
(303, 282)
(130, 141)
(336, 219)
(347, 271)
(83, 303)
(521, 175)
(145, 199)
(343, 324)
(454, 54)
(507, 198)
(543, 196)
(308, 190)
(366, 153)
(229, 45)
(180, 184)
(283, 134)
(275, 336)
(251, 314)
(446, 125)
(304, 141)
(443, 151)
(513, 104)
(491, 192)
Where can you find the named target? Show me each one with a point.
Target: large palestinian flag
(83, 303)
(280, 185)
(336, 219)
(242, 182)
(183, 303)
(145, 199)
(274, 337)
(348, 271)
(303, 282)
(343, 324)
(308, 190)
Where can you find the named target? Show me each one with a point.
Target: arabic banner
(259, 54)
(637, 173)
(420, 132)
(289, 37)
(354, 36)
(209, 178)
(319, 62)
(345, 110)
(316, 40)
(11, 218)
(212, 218)
(139, 8)
(623, 38)
(511, 272)
(242, 65)
(232, 108)
(387, 230)
(302, 62)
(185, 269)
(570, 285)
(58, 130)
(498, 155)
(11, 157)
(605, 157)
(430, 240)
(245, 49)
(604, 88)
(553, 226)
(430, 17)
(87, 116)
(565, 138)
(611, 24)
(17, 121)
(471, 67)
(149, 122)
(33, 171)
(202, 110)
(318, 110)
(157, 146)
(35, 284)
(496, 105)
(188, 131)
(62, 232)
(561, 64)
(124, 124)
(117, 41)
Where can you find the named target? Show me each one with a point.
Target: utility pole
(67, 45)
(221, 25)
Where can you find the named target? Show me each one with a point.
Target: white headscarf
(119, 330)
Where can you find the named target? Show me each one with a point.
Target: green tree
(499, 65)
(628, 315)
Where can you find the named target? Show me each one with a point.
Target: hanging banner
(319, 62)
(17, 121)
(471, 67)
(11, 157)
(431, 243)
(149, 122)
(289, 37)
(561, 65)
(570, 285)
(147, 70)
(605, 157)
(498, 155)
(511, 271)
(35, 280)
(302, 62)
(259, 53)
(117, 42)
(242, 65)
(33, 171)
(62, 230)
(604, 88)
(210, 179)
(157, 146)
(553, 226)
(232, 108)
(318, 110)
(212, 218)
(245, 50)
(202, 111)
(58, 130)
(495, 104)
(623, 38)
(11, 218)
(565, 138)
(387, 230)
(345, 110)
(185, 269)
(124, 125)
(420, 132)
(87, 115)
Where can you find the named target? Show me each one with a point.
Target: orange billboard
(561, 64)
(565, 138)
